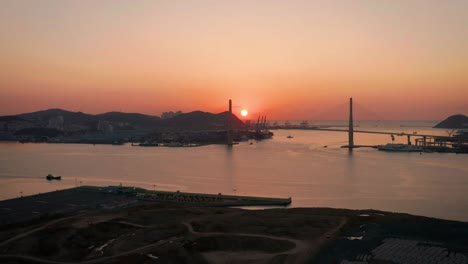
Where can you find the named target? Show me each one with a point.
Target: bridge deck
(367, 131)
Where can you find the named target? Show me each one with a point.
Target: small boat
(289, 136)
(400, 148)
(51, 177)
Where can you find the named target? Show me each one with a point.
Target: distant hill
(134, 119)
(11, 118)
(42, 118)
(63, 119)
(54, 122)
(199, 120)
(455, 121)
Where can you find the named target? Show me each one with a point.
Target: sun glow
(244, 112)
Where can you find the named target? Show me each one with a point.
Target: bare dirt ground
(186, 235)
(158, 233)
(85, 221)
(303, 249)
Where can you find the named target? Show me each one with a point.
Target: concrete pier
(197, 199)
(203, 199)
(74, 200)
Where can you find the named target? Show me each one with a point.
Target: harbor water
(311, 167)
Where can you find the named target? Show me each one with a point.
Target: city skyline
(404, 60)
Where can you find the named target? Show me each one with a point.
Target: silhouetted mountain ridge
(11, 118)
(198, 120)
(134, 119)
(45, 115)
(110, 122)
(455, 121)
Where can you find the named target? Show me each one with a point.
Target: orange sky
(400, 59)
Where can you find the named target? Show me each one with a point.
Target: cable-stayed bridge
(424, 140)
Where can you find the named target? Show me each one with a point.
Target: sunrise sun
(244, 112)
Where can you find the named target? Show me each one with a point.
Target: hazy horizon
(248, 118)
(289, 60)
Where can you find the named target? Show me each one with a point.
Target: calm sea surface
(431, 184)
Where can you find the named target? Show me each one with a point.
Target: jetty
(188, 198)
(77, 199)
(203, 199)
